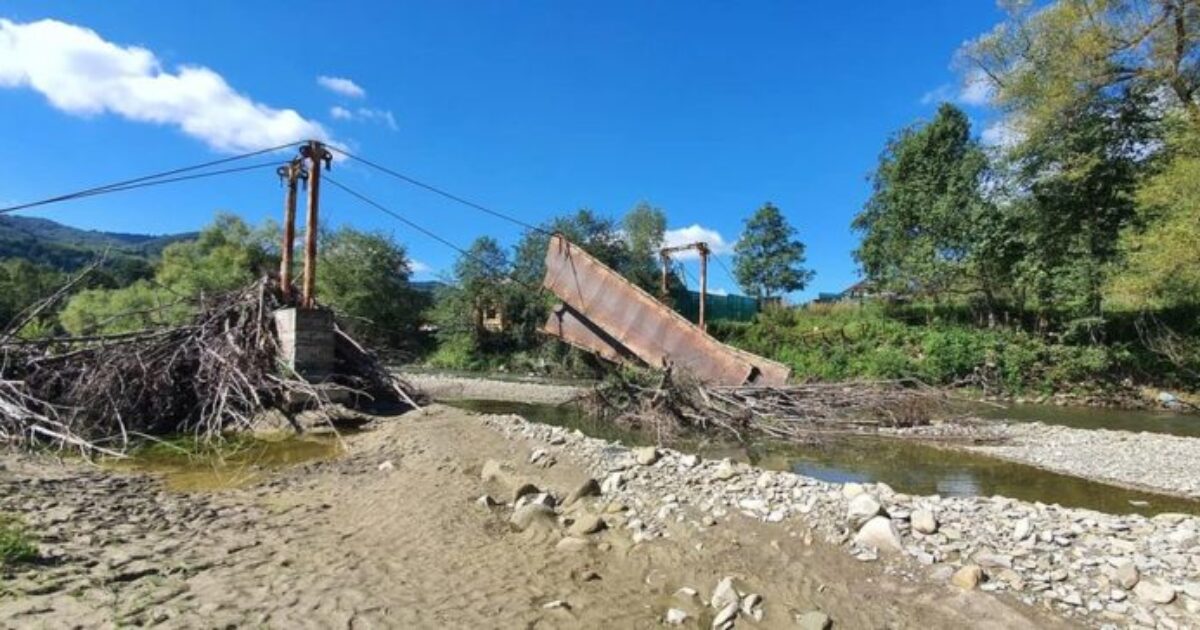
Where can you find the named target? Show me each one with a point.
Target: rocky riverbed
(1098, 569)
(1149, 461)
(397, 532)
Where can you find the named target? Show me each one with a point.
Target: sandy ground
(449, 387)
(390, 535)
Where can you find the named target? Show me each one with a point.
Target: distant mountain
(64, 247)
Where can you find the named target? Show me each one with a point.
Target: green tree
(364, 276)
(1044, 59)
(1161, 249)
(226, 255)
(925, 226)
(769, 260)
(645, 227)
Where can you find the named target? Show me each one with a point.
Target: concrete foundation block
(306, 342)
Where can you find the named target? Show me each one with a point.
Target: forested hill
(63, 247)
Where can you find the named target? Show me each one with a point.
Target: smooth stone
(586, 524)
(862, 508)
(814, 620)
(725, 594)
(1154, 592)
(967, 577)
(676, 617)
(725, 471)
(524, 489)
(923, 521)
(526, 515)
(645, 455)
(726, 615)
(589, 488)
(879, 533)
(1126, 574)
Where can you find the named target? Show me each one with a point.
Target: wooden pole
(291, 173)
(316, 153)
(703, 248)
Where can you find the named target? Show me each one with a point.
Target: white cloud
(341, 85)
(1001, 133)
(940, 94)
(977, 89)
(419, 267)
(692, 234)
(82, 74)
(380, 116)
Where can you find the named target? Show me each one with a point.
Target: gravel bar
(1148, 461)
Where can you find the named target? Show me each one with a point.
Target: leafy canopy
(769, 259)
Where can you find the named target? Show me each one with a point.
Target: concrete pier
(306, 341)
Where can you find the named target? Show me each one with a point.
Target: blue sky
(705, 109)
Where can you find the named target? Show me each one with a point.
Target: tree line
(1088, 205)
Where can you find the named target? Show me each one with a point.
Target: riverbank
(393, 534)
(1099, 569)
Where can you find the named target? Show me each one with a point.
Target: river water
(1099, 418)
(906, 466)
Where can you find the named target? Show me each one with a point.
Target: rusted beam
(567, 324)
(656, 334)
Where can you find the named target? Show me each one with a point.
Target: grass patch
(16, 545)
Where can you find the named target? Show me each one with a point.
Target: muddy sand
(392, 534)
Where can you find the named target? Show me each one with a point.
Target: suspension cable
(427, 232)
(442, 192)
(138, 182)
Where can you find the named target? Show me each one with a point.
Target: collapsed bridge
(604, 313)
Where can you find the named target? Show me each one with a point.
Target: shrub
(15, 544)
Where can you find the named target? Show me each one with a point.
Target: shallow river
(1100, 418)
(906, 466)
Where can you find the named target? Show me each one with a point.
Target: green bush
(15, 544)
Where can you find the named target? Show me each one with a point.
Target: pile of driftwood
(220, 372)
(670, 405)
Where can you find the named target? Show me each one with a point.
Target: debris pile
(670, 403)
(220, 372)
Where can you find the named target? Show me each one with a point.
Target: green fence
(737, 308)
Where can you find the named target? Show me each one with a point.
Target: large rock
(645, 455)
(1154, 592)
(813, 620)
(924, 522)
(530, 514)
(726, 616)
(522, 489)
(725, 471)
(725, 594)
(589, 488)
(1022, 530)
(1126, 575)
(967, 577)
(862, 508)
(879, 533)
(586, 524)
